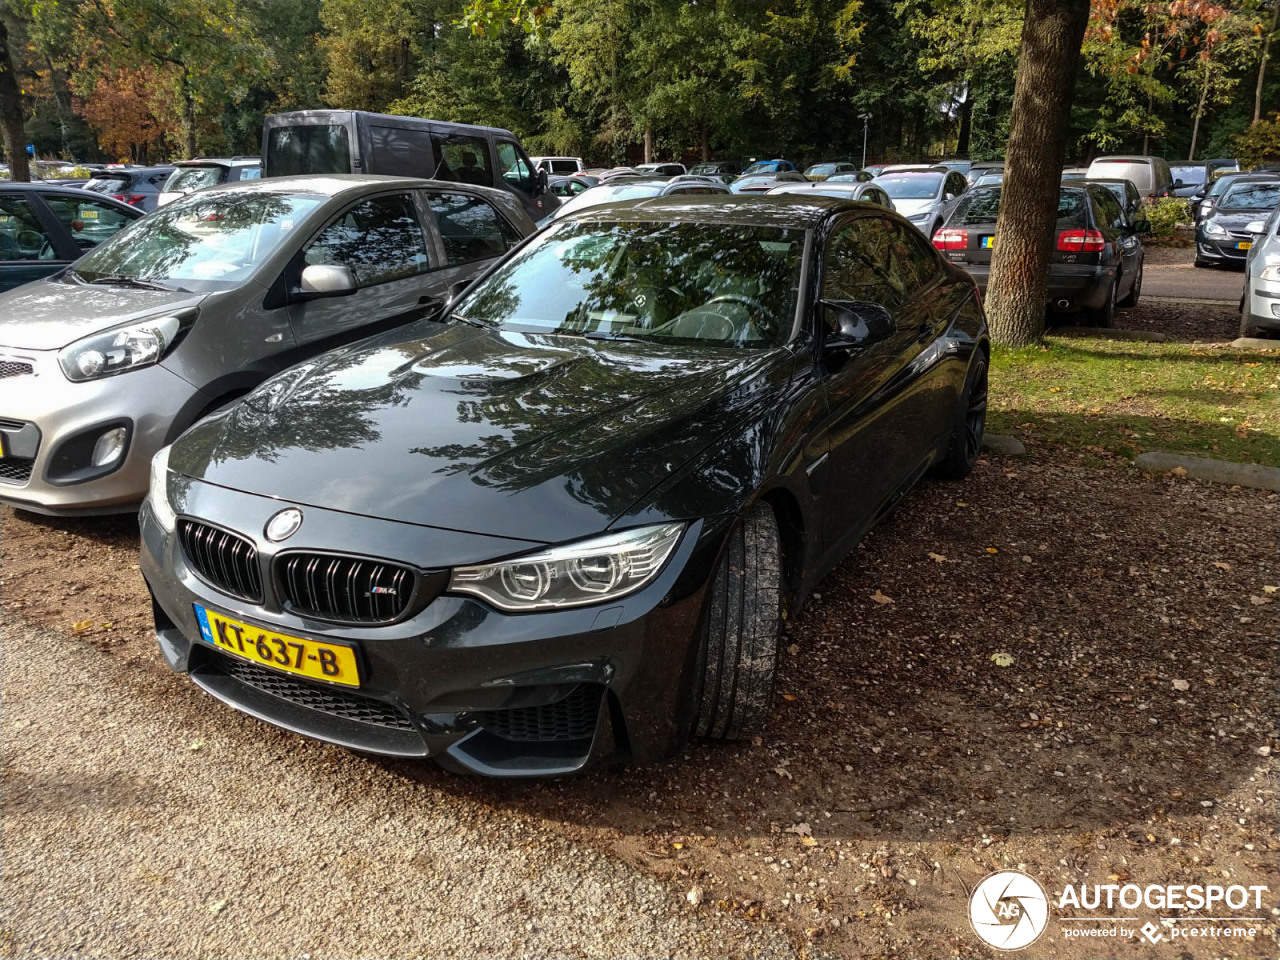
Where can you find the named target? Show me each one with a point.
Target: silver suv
(194, 305)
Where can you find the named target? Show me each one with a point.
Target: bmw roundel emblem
(284, 524)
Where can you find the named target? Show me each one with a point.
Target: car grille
(338, 703)
(573, 718)
(15, 368)
(345, 589)
(16, 469)
(226, 560)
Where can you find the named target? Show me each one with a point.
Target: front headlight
(591, 571)
(115, 351)
(1270, 273)
(919, 216)
(158, 492)
(1216, 230)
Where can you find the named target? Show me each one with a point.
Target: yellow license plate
(1244, 245)
(331, 662)
(988, 243)
(88, 214)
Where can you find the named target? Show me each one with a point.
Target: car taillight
(951, 239)
(133, 199)
(1076, 241)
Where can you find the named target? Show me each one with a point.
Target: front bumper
(1219, 250)
(1263, 303)
(474, 688)
(41, 412)
(1071, 286)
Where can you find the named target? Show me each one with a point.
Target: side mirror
(1257, 226)
(326, 280)
(1142, 226)
(857, 323)
(949, 197)
(540, 186)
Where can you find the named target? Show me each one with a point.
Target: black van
(354, 141)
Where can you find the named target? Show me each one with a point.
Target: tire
(1202, 263)
(1247, 329)
(1105, 315)
(1131, 298)
(971, 424)
(738, 661)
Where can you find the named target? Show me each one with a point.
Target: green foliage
(1260, 143)
(1164, 215)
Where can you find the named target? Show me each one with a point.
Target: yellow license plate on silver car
(314, 659)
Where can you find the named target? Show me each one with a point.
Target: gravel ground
(1129, 736)
(141, 820)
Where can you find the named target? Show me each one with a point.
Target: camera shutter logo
(1009, 910)
(283, 525)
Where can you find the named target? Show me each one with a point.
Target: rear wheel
(1105, 315)
(966, 441)
(739, 656)
(1131, 298)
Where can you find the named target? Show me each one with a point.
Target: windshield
(989, 179)
(109, 183)
(915, 186)
(723, 285)
(705, 168)
(1188, 174)
(1221, 184)
(764, 166)
(606, 193)
(202, 242)
(1258, 195)
(186, 179)
(818, 169)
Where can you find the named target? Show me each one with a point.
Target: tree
(373, 51)
(1052, 33)
(127, 108)
(1262, 66)
(12, 111)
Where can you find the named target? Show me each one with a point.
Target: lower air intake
(573, 718)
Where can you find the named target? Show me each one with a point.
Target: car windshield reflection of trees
(203, 243)
(681, 283)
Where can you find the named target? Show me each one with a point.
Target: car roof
(222, 161)
(335, 184)
(71, 192)
(779, 210)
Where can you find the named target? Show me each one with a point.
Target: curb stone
(1109, 333)
(1003, 446)
(1255, 343)
(1215, 471)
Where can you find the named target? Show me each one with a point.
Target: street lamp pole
(866, 117)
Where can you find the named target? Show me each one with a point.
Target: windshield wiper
(467, 320)
(127, 282)
(611, 337)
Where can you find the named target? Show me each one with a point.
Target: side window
(1108, 209)
(158, 179)
(250, 173)
(470, 228)
(88, 221)
(914, 262)
(464, 159)
(858, 264)
(955, 184)
(379, 239)
(22, 236)
(514, 168)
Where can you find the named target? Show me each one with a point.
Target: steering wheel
(644, 296)
(745, 300)
(31, 243)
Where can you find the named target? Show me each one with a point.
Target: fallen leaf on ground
(801, 829)
(81, 625)
(217, 906)
(1002, 659)
(1179, 471)
(938, 558)
(1270, 589)
(992, 550)
(880, 598)
(1181, 685)
(793, 649)
(1221, 565)
(694, 896)
(1259, 601)
(808, 842)
(789, 697)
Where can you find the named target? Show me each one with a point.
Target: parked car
(1150, 175)
(562, 526)
(354, 141)
(1097, 260)
(984, 168)
(859, 176)
(1127, 194)
(1260, 301)
(634, 189)
(821, 171)
(959, 166)
(190, 175)
(725, 170)
(866, 192)
(562, 166)
(991, 178)
(875, 169)
(761, 167)
(44, 227)
(1203, 202)
(925, 197)
(1220, 165)
(914, 168)
(1190, 176)
(1075, 173)
(764, 182)
(137, 186)
(1223, 236)
(661, 169)
(566, 187)
(198, 302)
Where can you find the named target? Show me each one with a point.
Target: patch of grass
(1107, 398)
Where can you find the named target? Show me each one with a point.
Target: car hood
(1238, 219)
(531, 437)
(48, 314)
(909, 207)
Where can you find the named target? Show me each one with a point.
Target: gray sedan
(196, 304)
(840, 189)
(925, 197)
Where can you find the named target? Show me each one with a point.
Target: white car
(1260, 303)
(561, 166)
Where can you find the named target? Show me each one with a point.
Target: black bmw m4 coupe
(559, 522)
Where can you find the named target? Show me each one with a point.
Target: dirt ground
(1126, 738)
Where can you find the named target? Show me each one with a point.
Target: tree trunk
(648, 143)
(1018, 289)
(1195, 128)
(966, 124)
(11, 113)
(1262, 67)
(66, 112)
(1146, 130)
(188, 119)
(705, 144)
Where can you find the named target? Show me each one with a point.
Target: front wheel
(966, 441)
(738, 661)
